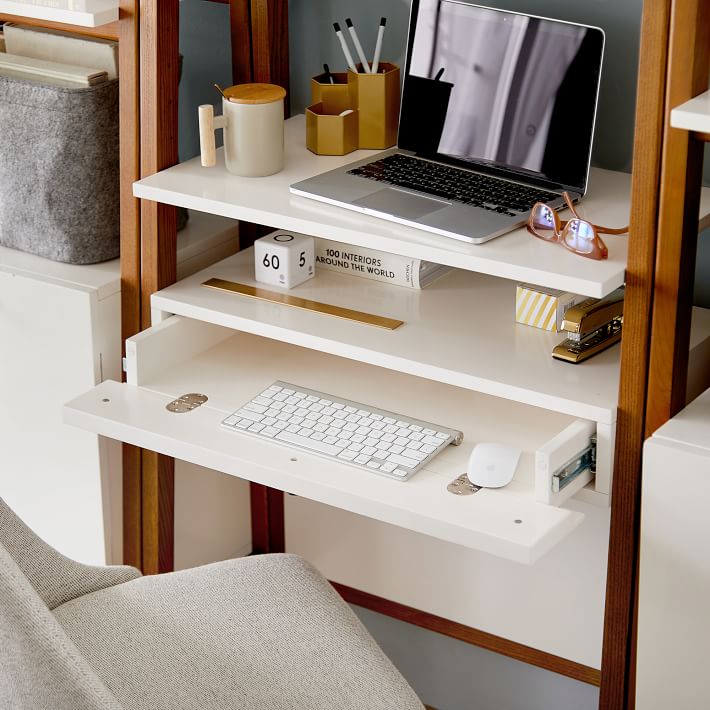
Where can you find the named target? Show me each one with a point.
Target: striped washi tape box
(543, 307)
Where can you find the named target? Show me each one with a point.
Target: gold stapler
(593, 325)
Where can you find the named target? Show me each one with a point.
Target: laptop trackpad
(400, 203)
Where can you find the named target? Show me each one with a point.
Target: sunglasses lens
(543, 220)
(579, 236)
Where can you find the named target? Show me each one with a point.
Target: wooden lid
(254, 93)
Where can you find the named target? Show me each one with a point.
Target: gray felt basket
(59, 170)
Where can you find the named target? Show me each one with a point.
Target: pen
(328, 75)
(346, 51)
(438, 74)
(358, 46)
(378, 46)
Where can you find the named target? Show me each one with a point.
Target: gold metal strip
(286, 299)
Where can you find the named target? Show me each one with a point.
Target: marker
(439, 74)
(346, 52)
(328, 75)
(358, 46)
(378, 46)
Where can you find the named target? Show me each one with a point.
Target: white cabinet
(674, 587)
(59, 335)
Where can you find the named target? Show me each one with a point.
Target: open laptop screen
(512, 92)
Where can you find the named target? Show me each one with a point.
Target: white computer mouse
(493, 465)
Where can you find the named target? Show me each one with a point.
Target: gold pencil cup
(376, 96)
(335, 97)
(330, 134)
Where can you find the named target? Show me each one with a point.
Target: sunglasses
(577, 235)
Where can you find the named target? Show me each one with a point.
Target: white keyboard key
(402, 460)
(373, 464)
(244, 424)
(401, 441)
(355, 447)
(332, 431)
(363, 430)
(320, 446)
(280, 425)
(268, 421)
(258, 408)
(362, 459)
(312, 398)
(318, 436)
(338, 424)
(415, 445)
(328, 411)
(388, 467)
(383, 445)
(388, 437)
(428, 449)
(403, 432)
(330, 439)
(277, 405)
(347, 455)
(351, 427)
(308, 423)
(326, 402)
(320, 427)
(366, 421)
(271, 412)
(441, 435)
(377, 425)
(283, 417)
(429, 432)
(289, 409)
(391, 428)
(292, 400)
(256, 427)
(287, 391)
(293, 428)
(350, 410)
(370, 441)
(405, 425)
(337, 405)
(380, 454)
(304, 432)
(295, 419)
(353, 418)
(299, 395)
(416, 436)
(340, 414)
(396, 449)
(358, 438)
(376, 417)
(368, 450)
(342, 443)
(262, 400)
(417, 455)
(432, 440)
(280, 397)
(301, 412)
(269, 431)
(313, 416)
(389, 420)
(274, 388)
(415, 427)
(376, 434)
(316, 407)
(246, 414)
(345, 435)
(401, 472)
(231, 420)
(362, 412)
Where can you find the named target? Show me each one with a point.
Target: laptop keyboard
(453, 184)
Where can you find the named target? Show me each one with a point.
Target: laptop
(498, 112)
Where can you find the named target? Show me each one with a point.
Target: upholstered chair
(260, 633)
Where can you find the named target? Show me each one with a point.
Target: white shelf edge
(693, 115)
(105, 13)
(138, 416)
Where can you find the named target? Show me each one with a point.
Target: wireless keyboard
(358, 435)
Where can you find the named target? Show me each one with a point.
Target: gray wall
(448, 674)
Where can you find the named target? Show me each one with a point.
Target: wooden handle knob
(208, 151)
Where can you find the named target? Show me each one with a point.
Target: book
(377, 265)
(57, 46)
(52, 73)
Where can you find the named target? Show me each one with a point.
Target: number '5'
(302, 259)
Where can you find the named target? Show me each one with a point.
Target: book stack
(377, 265)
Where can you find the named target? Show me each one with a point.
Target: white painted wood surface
(516, 256)
(86, 13)
(674, 623)
(555, 605)
(235, 369)
(693, 115)
(460, 330)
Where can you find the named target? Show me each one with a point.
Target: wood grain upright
(654, 355)
(159, 54)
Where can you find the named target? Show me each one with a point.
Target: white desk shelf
(230, 368)
(693, 115)
(461, 330)
(86, 13)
